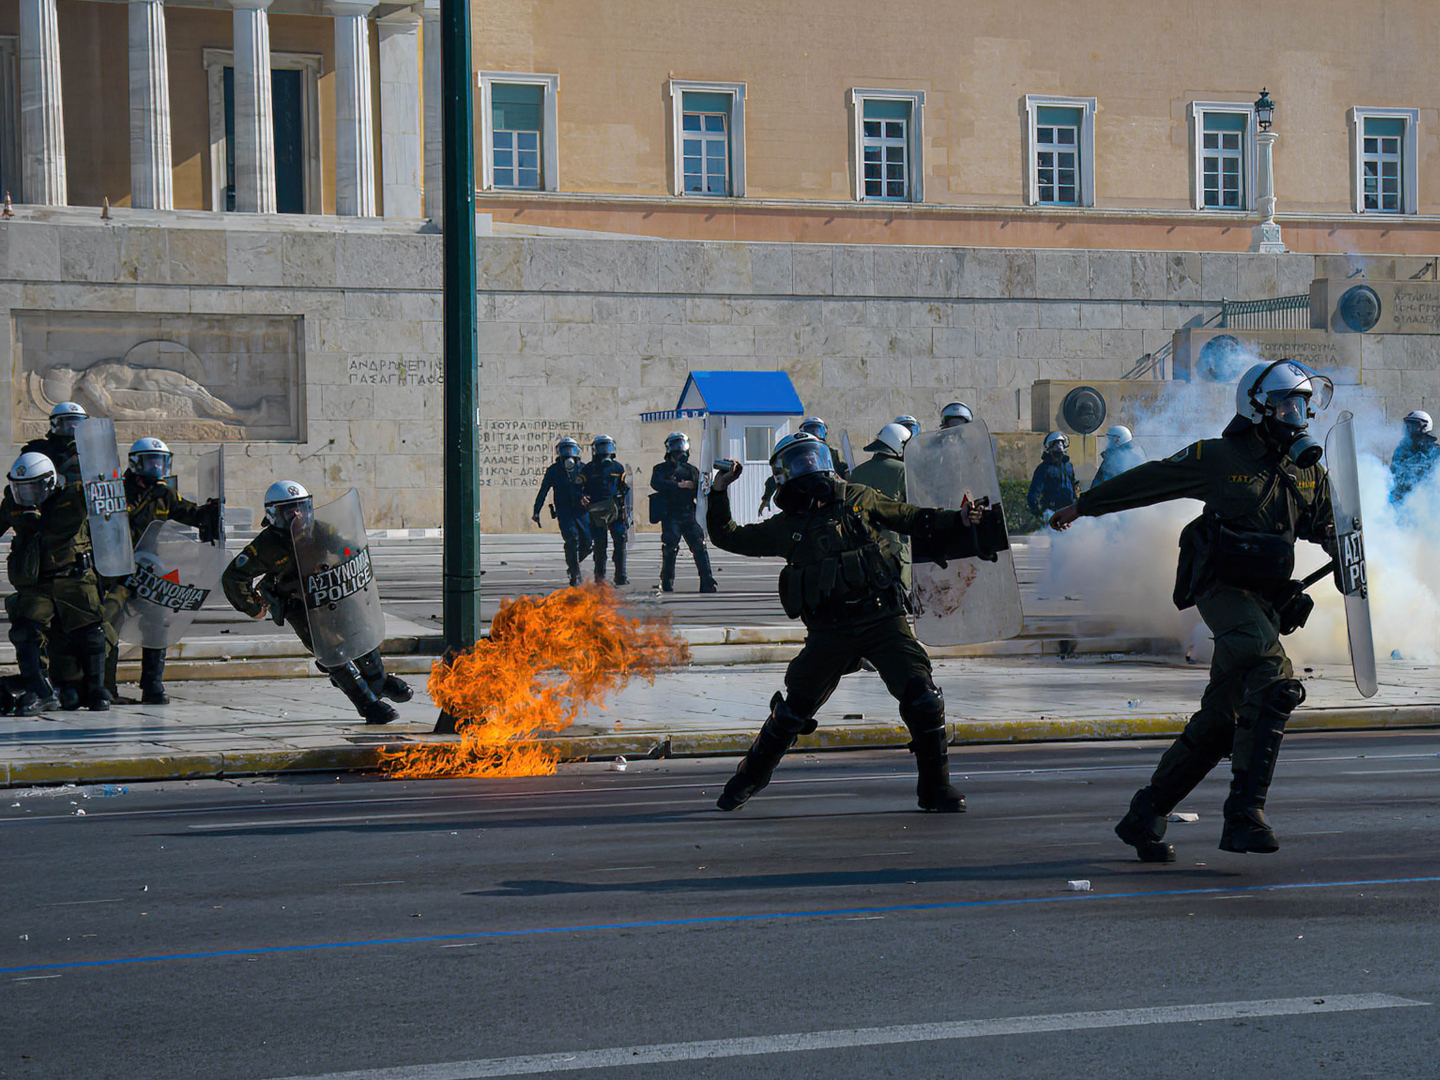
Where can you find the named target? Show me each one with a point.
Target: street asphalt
(602, 923)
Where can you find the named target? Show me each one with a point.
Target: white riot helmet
(1419, 423)
(602, 446)
(892, 440)
(813, 425)
(1118, 435)
(1057, 440)
(286, 500)
(677, 442)
(908, 422)
(150, 458)
(65, 416)
(32, 478)
(1287, 394)
(955, 414)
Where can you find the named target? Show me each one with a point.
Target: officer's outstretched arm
(768, 538)
(1187, 475)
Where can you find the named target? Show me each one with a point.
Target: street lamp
(1265, 237)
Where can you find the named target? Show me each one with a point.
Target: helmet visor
(294, 516)
(604, 447)
(815, 428)
(805, 459)
(65, 425)
(32, 492)
(153, 465)
(1292, 409)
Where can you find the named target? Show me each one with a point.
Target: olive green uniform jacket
(886, 474)
(50, 564)
(270, 557)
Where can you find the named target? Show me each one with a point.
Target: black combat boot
(382, 684)
(1143, 828)
(36, 695)
(347, 677)
(776, 737)
(1182, 767)
(97, 697)
(922, 707)
(933, 790)
(707, 575)
(575, 579)
(620, 578)
(1246, 827)
(667, 567)
(152, 677)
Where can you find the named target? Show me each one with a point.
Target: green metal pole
(461, 591)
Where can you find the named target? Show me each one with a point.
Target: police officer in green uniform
(53, 572)
(151, 499)
(271, 557)
(811, 425)
(842, 578)
(1263, 488)
(58, 444)
(885, 472)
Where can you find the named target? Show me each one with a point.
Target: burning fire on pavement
(546, 659)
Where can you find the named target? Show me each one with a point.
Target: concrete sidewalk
(243, 727)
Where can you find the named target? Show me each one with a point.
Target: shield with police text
(174, 575)
(1344, 474)
(105, 501)
(212, 485)
(970, 600)
(337, 582)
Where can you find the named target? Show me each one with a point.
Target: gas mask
(798, 494)
(568, 463)
(1288, 428)
(680, 457)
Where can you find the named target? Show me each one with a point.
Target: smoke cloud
(1121, 568)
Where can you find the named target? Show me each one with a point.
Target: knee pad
(922, 705)
(26, 632)
(1286, 696)
(789, 719)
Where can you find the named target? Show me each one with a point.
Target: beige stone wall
(585, 335)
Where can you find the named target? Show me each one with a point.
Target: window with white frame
(1223, 136)
(521, 143)
(708, 121)
(1062, 149)
(1386, 168)
(888, 145)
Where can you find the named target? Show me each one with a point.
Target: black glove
(1293, 610)
(210, 523)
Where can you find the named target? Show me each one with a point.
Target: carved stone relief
(186, 378)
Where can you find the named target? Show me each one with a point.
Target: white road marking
(711, 1049)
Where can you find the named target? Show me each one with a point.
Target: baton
(1324, 571)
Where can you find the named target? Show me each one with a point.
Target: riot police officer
(676, 483)
(811, 425)
(842, 579)
(955, 414)
(909, 423)
(151, 499)
(1263, 488)
(53, 572)
(885, 472)
(1121, 454)
(1053, 484)
(603, 495)
(271, 557)
(58, 444)
(1416, 456)
(560, 478)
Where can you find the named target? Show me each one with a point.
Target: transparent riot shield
(105, 497)
(970, 600)
(632, 475)
(174, 575)
(1349, 535)
(342, 601)
(212, 485)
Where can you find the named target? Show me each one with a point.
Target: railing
(1279, 313)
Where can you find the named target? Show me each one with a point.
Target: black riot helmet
(603, 446)
(677, 446)
(805, 471)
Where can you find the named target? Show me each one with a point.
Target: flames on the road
(547, 659)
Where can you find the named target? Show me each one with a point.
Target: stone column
(434, 179)
(151, 184)
(1265, 237)
(254, 110)
(400, 114)
(354, 125)
(42, 118)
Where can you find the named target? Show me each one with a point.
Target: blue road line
(705, 920)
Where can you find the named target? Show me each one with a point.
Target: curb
(353, 758)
